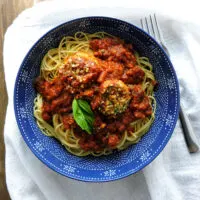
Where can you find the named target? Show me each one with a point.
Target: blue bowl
(119, 164)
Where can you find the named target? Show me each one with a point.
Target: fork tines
(151, 26)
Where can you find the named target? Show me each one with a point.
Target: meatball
(114, 97)
(82, 68)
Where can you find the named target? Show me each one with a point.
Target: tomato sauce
(113, 60)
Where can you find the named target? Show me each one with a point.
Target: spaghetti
(95, 94)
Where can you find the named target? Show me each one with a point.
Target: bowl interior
(118, 164)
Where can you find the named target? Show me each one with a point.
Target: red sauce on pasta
(110, 81)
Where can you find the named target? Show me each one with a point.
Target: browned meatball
(115, 97)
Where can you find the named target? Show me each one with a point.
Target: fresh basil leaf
(85, 106)
(81, 121)
(83, 115)
(89, 119)
(87, 111)
(75, 107)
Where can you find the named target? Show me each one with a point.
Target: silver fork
(152, 28)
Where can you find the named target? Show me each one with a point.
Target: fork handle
(189, 135)
(188, 132)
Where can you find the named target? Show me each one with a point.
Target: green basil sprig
(83, 115)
